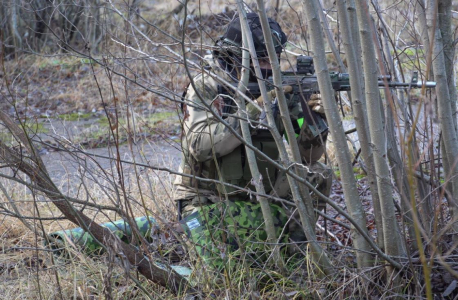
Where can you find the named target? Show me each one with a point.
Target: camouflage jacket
(212, 151)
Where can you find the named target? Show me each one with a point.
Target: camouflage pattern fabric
(77, 236)
(227, 233)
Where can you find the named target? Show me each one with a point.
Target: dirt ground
(64, 161)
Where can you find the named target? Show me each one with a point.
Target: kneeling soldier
(220, 217)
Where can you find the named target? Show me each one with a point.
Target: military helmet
(231, 42)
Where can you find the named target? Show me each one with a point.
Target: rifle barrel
(418, 84)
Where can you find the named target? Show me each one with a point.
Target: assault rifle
(305, 83)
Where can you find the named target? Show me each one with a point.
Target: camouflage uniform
(211, 151)
(226, 233)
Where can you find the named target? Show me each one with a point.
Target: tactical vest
(234, 167)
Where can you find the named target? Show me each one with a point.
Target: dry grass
(25, 273)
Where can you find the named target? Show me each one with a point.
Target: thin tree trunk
(421, 8)
(335, 124)
(17, 40)
(356, 41)
(445, 20)
(360, 113)
(354, 29)
(327, 31)
(391, 235)
(445, 11)
(445, 110)
(394, 157)
(41, 16)
(305, 208)
(251, 157)
(422, 17)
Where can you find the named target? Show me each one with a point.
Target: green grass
(75, 116)
(98, 134)
(359, 173)
(6, 138)
(35, 127)
(411, 52)
(31, 127)
(150, 120)
(157, 117)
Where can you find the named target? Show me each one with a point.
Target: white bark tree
(392, 238)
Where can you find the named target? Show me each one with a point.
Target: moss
(99, 133)
(348, 117)
(35, 127)
(411, 52)
(160, 117)
(358, 172)
(47, 63)
(7, 138)
(87, 61)
(75, 116)
(71, 63)
(31, 127)
(151, 120)
(337, 173)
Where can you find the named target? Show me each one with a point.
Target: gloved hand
(272, 100)
(254, 113)
(316, 104)
(287, 89)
